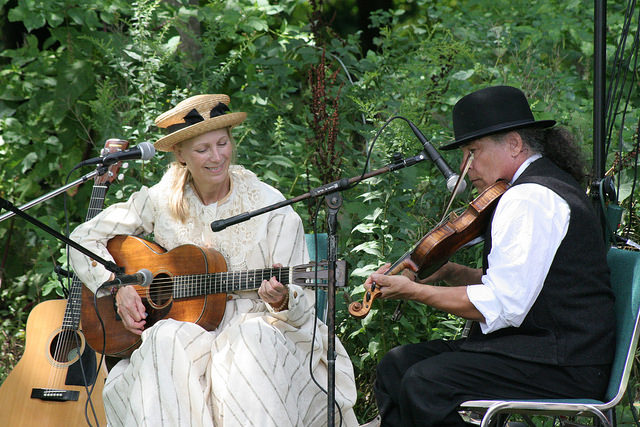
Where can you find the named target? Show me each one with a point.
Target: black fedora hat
(491, 110)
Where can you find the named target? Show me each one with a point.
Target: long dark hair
(559, 146)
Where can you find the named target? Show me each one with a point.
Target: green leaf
(133, 55)
(28, 161)
(172, 44)
(31, 20)
(255, 23)
(463, 75)
(374, 347)
(368, 247)
(366, 228)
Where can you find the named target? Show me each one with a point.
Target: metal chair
(625, 282)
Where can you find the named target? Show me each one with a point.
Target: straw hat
(489, 111)
(195, 116)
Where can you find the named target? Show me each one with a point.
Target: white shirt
(529, 224)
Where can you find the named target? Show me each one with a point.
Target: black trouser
(423, 384)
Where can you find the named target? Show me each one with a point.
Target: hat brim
(167, 142)
(496, 129)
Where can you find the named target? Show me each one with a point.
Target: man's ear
(515, 143)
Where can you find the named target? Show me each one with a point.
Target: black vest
(572, 321)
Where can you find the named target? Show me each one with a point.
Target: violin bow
(465, 169)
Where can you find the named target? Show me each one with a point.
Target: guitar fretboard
(225, 282)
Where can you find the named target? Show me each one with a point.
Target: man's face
(492, 160)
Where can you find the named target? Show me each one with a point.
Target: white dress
(254, 369)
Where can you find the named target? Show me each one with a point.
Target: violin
(439, 244)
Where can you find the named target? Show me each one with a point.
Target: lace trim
(235, 241)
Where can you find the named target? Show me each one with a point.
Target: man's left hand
(394, 287)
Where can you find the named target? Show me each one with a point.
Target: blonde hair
(178, 206)
(180, 176)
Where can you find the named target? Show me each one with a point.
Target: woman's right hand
(131, 310)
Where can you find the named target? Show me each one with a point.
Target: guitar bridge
(49, 394)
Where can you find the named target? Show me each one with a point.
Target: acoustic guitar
(189, 284)
(48, 386)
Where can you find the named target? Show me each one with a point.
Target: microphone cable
(67, 290)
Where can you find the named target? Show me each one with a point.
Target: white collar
(524, 165)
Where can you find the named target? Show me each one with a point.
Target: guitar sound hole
(161, 290)
(66, 346)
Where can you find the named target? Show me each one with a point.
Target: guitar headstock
(306, 274)
(112, 145)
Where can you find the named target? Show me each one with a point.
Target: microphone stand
(333, 200)
(99, 171)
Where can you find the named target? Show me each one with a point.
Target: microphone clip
(397, 162)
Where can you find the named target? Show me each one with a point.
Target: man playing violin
(542, 305)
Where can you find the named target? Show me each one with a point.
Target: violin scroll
(361, 309)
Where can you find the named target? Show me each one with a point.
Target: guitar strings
(63, 353)
(226, 280)
(69, 345)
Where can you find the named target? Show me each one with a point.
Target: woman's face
(208, 157)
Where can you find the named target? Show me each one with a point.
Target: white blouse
(254, 367)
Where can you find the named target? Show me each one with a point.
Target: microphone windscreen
(147, 150)
(451, 184)
(148, 277)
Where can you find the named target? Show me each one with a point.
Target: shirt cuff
(483, 299)
(297, 312)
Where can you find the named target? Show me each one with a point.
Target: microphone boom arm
(109, 265)
(332, 187)
(54, 193)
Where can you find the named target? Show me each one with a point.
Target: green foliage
(80, 75)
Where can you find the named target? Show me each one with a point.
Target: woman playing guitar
(251, 366)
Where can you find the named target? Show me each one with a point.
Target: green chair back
(625, 282)
(321, 301)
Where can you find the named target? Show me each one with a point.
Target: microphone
(436, 158)
(141, 278)
(143, 151)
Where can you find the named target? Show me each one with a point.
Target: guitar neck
(96, 203)
(71, 319)
(230, 281)
(72, 312)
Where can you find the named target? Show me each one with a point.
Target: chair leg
(500, 420)
(527, 419)
(610, 415)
